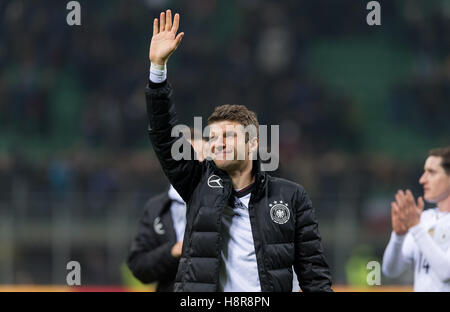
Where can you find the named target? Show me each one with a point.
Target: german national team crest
(279, 212)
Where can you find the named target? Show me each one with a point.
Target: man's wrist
(158, 73)
(158, 66)
(398, 238)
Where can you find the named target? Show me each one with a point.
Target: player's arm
(149, 261)
(310, 265)
(410, 213)
(182, 174)
(398, 256)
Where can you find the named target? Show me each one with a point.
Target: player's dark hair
(236, 113)
(444, 153)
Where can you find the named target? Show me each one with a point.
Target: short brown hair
(444, 153)
(236, 113)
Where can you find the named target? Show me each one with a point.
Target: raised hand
(405, 212)
(165, 39)
(397, 223)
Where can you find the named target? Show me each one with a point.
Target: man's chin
(224, 164)
(428, 199)
(221, 163)
(436, 198)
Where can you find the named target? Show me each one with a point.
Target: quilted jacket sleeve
(183, 174)
(310, 264)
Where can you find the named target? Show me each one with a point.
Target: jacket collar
(260, 176)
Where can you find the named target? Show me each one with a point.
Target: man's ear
(253, 147)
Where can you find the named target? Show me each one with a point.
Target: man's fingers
(408, 201)
(402, 199)
(399, 199)
(162, 22)
(395, 208)
(421, 204)
(176, 23)
(410, 198)
(394, 212)
(413, 206)
(178, 39)
(397, 213)
(168, 20)
(155, 27)
(400, 211)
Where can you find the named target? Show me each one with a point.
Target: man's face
(435, 181)
(227, 146)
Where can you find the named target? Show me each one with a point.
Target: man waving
(245, 229)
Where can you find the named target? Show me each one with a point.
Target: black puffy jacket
(279, 244)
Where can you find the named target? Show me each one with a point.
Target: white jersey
(426, 247)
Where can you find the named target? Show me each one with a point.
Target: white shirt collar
(173, 194)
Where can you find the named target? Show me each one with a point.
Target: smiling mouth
(222, 152)
(224, 155)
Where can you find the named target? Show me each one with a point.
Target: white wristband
(158, 73)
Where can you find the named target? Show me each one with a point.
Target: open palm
(165, 39)
(405, 212)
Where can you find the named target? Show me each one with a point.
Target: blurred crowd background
(358, 107)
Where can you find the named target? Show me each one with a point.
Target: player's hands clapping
(165, 39)
(405, 211)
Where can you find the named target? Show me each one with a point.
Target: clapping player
(421, 239)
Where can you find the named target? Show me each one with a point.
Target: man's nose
(219, 145)
(422, 179)
(222, 142)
